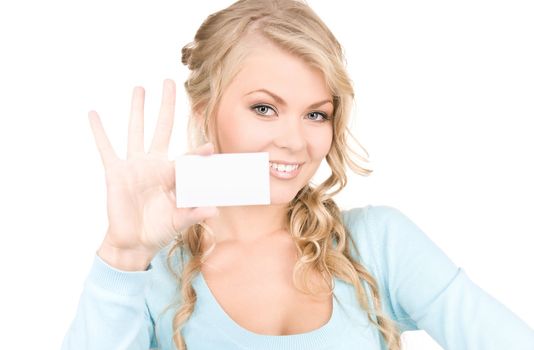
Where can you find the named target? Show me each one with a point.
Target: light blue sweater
(421, 288)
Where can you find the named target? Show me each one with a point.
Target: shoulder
(375, 240)
(410, 268)
(394, 245)
(376, 226)
(371, 230)
(377, 216)
(383, 226)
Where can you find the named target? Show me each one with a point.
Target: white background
(445, 107)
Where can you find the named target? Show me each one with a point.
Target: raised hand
(141, 195)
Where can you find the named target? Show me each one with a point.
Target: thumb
(192, 216)
(201, 213)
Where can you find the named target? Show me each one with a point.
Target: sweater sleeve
(425, 286)
(112, 312)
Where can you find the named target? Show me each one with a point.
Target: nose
(290, 133)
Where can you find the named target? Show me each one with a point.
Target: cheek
(238, 132)
(320, 144)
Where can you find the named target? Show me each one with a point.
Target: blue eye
(262, 109)
(323, 115)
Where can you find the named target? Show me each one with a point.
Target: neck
(247, 224)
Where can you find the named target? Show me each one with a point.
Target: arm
(112, 313)
(425, 286)
(143, 218)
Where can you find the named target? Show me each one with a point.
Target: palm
(141, 196)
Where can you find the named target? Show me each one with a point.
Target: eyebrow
(281, 101)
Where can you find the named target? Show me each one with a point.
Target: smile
(284, 171)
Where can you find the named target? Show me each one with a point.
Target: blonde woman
(268, 76)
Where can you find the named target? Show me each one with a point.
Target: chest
(255, 289)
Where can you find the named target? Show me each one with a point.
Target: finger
(102, 142)
(203, 150)
(136, 124)
(162, 134)
(202, 213)
(185, 218)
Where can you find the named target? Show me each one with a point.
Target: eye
(262, 109)
(319, 114)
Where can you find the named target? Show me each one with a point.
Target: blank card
(222, 180)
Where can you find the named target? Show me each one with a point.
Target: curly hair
(313, 219)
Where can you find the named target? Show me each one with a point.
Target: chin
(282, 197)
(283, 192)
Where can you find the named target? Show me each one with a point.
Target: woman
(268, 76)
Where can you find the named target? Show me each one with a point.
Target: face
(278, 104)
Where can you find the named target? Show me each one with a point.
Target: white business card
(225, 179)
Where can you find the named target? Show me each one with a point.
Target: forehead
(267, 66)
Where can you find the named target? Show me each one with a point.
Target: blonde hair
(313, 219)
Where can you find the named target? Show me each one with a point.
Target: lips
(286, 171)
(285, 163)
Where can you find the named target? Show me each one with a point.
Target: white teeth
(283, 167)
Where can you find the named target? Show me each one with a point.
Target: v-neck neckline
(217, 316)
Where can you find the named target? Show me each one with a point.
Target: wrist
(124, 259)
